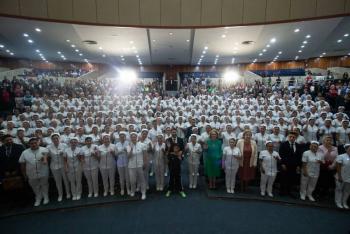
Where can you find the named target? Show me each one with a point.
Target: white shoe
(68, 196)
(302, 197)
(143, 197)
(194, 186)
(165, 174)
(37, 203)
(197, 174)
(270, 194)
(96, 195)
(161, 189)
(345, 206)
(112, 193)
(46, 201)
(90, 195)
(228, 191)
(122, 192)
(105, 194)
(151, 174)
(74, 198)
(128, 192)
(311, 198)
(262, 193)
(59, 199)
(132, 194)
(340, 206)
(232, 191)
(78, 197)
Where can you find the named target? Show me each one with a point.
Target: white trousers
(124, 178)
(74, 177)
(230, 178)
(342, 192)
(146, 174)
(137, 176)
(59, 175)
(193, 173)
(266, 183)
(307, 185)
(92, 180)
(40, 187)
(159, 170)
(108, 175)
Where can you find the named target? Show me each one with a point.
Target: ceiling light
(104, 55)
(8, 51)
(321, 56)
(260, 54)
(37, 51)
(273, 40)
(268, 45)
(264, 50)
(202, 56)
(304, 42)
(235, 52)
(76, 50)
(58, 52)
(340, 40)
(134, 48)
(296, 57)
(296, 30)
(223, 35)
(188, 40)
(154, 40)
(308, 36)
(123, 59)
(137, 56)
(121, 56)
(280, 52)
(100, 48)
(72, 46)
(346, 35)
(2, 46)
(25, 35)
(300, 51)
(30, 41)
(206, 47)
(38, 29)
(62, 56)
(131, 42)
(12, 53)
(324, 53)
(233, 60)
(348, 53)
(217, 56)
(302, 46)
(41, 54)
(204, 52)
(170, 33)
(135, 51)
(80, 54)
(67, 40)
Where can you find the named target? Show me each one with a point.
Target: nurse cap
(55, 134)
(160, 135)
(144, 130)
(133, 133)
(73, 138)
(122, 133)
(315, 142)
(105, 135)
(346, 146)
(20, 129)
(268, 142)
(194, 135)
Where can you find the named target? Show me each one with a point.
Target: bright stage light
(231, 76)
(127, 76)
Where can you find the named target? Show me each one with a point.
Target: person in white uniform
(342, 179)
(311, 161)
(137, 158)
(147, 144)
(73, 167)
(159, 161)
(230, 160)
(34, 166)
(268, 168)
(107, 152)
(89, 153)
(194, 150)
(122, 163)
(55, 154)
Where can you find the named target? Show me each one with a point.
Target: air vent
(90, 42)
(247, 42)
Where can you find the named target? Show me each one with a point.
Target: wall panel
(232, 12)
(84, 10)
(277, 10)
(170, 12)
(330, 7)
(191, 12)
(150, 12)
(302, 9)
(211, 12)
(107, 11)
(34, 8)
(129, 12)
(60, 9)
(254, 11)
(10, 7)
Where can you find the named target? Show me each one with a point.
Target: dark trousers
(325, 183)
(287, 180)
(175, 175)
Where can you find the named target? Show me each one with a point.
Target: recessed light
(260, 54)
(122, 56)
(25, 35)
(202, 56)
(268, 45)
(223, 35)
(72, 46)
(324, 53)
(137, 56)
(80, 54)
(12, 53)
(264, 50)
(135, 52)
(273, 40)
(100, 48)
(302, 46)
(348, 53)
(308, 36)
(62, 56)
(280, 52)
(217, 56)
(170, 33)
(206, 47)
(30, 41)
(38, 29)
(154, 40)
(188, 40)
(304, 42)
(123, 59)
(300, 51)
(104, 55)
(41, 54)
(37, 51)
(8, 51)
(58, 52)
(204, 52)
(76, 50)
(346, 35)
(67, 40)
(296, 30)
(2, 46)
(340, 40)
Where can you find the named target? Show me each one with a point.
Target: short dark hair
(5, 136)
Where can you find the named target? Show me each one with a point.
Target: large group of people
(86, 129)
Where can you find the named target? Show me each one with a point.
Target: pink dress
(247, 173)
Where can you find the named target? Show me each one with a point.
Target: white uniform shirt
(344, 160)
(35, 168)
(312, 161)
(261, 141)
(56, 155)
(90, 162)
(343, 135)
(194, 153)
(72, 158)
(269, 162)
(107, 160)
(310, 133)
(136, 158)
(159, 155)
(232, 157)
(226, 138)
(122, 157)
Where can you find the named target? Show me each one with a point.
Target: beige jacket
(253, 158)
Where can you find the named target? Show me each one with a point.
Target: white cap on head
(346, 146)
(315, 142)
(73, 138)
(268, 142)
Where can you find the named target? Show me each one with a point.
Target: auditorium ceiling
(51, 41)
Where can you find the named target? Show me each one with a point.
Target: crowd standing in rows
(87, 128)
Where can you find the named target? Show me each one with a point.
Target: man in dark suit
(290, 163)
(9, 156)
(174, 139)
